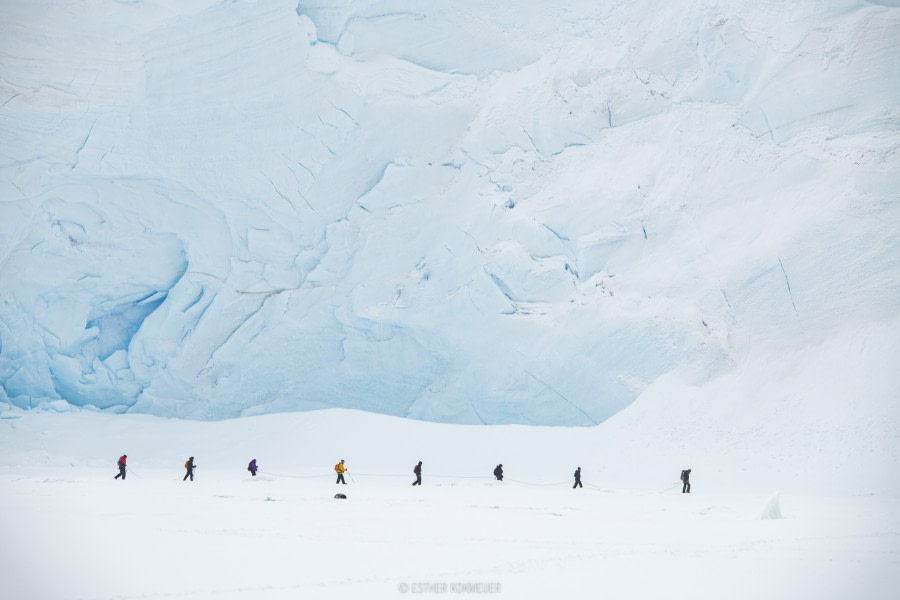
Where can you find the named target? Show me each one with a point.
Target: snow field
(223, 537)
(283, 535)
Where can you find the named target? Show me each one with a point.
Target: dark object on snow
(252, 467)
(121, 465)
(340, 496)
(686, 478)
(189, 465)
(498, 472)
(418, 471)
(577, 478)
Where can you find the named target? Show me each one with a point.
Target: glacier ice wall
(460, 211)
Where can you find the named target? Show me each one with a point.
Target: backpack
(187, 464)
(683, 475)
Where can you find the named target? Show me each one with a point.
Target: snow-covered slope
(457, 211)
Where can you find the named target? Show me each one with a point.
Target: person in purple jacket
(252, 467)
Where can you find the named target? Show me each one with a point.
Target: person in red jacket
(121, 464)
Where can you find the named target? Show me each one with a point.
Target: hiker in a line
(498, 472)
(418, 471)
(189, 465)
(340, 469)
(252, 467)
(577, 479)
(121, 464)
(686, 478)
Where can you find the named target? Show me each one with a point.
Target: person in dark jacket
(498, 472)
(418, 471)
(121, 464)
(189, 465)
(686, 478)
(252, 467)
(577, 479)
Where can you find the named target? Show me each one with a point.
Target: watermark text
(450, 587)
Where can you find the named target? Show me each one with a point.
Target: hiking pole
(351, 477)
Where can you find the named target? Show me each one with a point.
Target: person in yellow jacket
(340, 469)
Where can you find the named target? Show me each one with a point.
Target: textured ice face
(455, 211)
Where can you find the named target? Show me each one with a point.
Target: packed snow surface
(472, 212)
(72, 532)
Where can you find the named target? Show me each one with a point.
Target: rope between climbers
(294, 476)
(429, 475)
